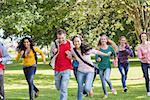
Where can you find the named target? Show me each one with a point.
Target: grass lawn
(16, 87)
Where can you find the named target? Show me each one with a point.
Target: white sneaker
(114, 92)
(1, 97)
(105, 97)
(148, 93)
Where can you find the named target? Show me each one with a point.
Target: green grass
(16, 87)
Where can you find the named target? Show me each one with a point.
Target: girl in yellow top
(28, 53)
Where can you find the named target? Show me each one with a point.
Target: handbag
(75, 63)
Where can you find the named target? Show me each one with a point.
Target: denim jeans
(123, 68)
(75, 69)
(61, 83)
(29, 73)
(145, 68)
(85, 81)
(105, 77)
(2, 86)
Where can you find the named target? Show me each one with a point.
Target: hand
(44, 62)
(69, 55)
(27, 52)
(55, 50)
(109, 53)
(143, 57)
(99, 59)
(0, 59)
(22, 52)
(115, 62)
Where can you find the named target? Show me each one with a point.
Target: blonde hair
(125, 38)
(109, 42)
(99, 42)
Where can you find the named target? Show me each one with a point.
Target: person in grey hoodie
(3, 60)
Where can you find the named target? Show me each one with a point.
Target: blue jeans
(145, 68)
(85, 81)
(61, 83)
(75, 69)
(123, 68)
(2, 86)
(29, 73)
(105, 77)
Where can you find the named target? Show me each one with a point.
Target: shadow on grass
(136, 92)
(19, 67)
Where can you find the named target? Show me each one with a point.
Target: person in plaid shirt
(123, 64)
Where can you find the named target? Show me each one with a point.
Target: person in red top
(2, 66)
(61, 49)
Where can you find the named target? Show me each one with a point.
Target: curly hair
(21, 47)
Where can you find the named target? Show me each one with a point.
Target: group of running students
(76, 54)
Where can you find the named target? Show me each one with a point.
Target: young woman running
(144, 56)
(123, 64)
(85, 73)
(27, 51)
(104, 63)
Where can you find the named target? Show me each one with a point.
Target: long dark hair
(21, 47)
(84, 46)
(141, 36)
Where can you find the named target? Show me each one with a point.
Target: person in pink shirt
(144, 56)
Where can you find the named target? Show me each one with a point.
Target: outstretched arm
(99, 52)
(5, 55)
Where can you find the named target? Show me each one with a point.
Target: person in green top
(104, 64)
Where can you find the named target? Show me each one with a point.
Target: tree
(139, 12)
(37, 18)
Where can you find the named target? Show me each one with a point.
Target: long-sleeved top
(5, 55)
(105, 60)
(144, 52)
(29, 59)
(123, 55)
(86, 57)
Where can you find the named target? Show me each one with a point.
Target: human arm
(93, 51)
(139, 52)
(5, 55)
(113, 44)
(129, 51)
(41, 53)
(18, 56)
